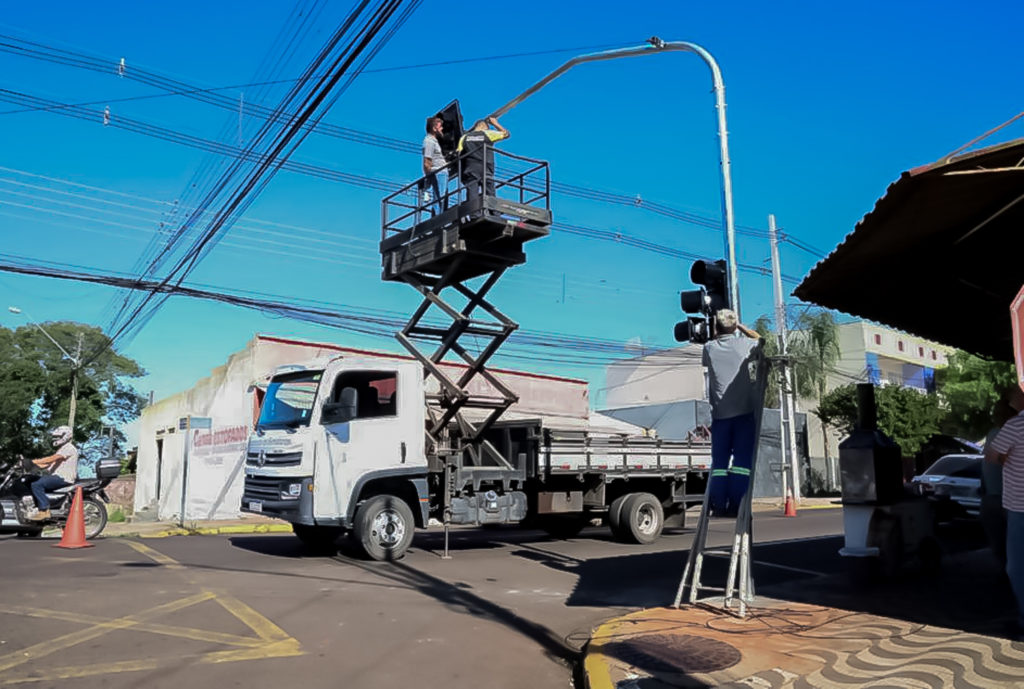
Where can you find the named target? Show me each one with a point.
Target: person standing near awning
(1007, 449)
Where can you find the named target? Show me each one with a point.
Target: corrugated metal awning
(941, 255)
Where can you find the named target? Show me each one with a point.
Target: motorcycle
(16, 504)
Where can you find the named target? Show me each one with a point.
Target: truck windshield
(289, 400)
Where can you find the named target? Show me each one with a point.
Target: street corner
(694, 646)
(783, 644)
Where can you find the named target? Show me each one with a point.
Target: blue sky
(827, 104)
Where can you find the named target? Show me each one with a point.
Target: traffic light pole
(656, 45)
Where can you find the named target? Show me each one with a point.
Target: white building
(870, 353)
(217, 413)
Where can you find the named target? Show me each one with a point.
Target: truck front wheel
(641, 519)
(384, 527)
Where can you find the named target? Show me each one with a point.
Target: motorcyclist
(60, 469)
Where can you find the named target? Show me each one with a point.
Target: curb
(596, 666)
(208, 531)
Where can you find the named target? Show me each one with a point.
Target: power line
(374, 322)
(279, 136)
(210, 96)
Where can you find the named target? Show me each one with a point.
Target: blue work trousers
(731, 438)
(43, 484)
(435, 195)
(1015, 558)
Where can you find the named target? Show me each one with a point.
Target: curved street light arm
(656, 45)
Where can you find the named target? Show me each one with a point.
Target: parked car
(954, 482)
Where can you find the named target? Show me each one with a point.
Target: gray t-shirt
(66, 468)
(432, 150)
(730, 384)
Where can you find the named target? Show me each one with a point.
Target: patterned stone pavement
(782, 644)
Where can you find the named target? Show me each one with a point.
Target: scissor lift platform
(483, 233)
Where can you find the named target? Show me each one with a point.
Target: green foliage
(813, 347)
(908, 416)
(969, 387)
(115, 515)
(36, 381)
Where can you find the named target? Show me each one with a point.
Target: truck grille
(260, 488)
(282, 459)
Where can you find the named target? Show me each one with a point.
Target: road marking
(159, 557)
(270, 641)
(190, 633)
(45, 648)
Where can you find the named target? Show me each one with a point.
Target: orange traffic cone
(790, 506)
(74, 530)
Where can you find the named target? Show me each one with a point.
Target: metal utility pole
(787, 414)
(656, 45)
(77, 363)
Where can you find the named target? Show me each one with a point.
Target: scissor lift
(460, 253)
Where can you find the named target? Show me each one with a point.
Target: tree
(35, 386)
(906, 415)
(969, 388)
(813, 347)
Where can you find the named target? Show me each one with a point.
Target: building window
(878, 339)
(934, 355)
(920, 352)
(899, 345)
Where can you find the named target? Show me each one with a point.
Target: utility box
(870, 463)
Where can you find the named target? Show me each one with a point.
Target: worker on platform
(476, 153)
(435, 171)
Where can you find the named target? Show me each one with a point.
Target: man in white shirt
(61, 470)
(434, 166)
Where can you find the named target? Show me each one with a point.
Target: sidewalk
(158, 529)
(784, 644)
(945, 630)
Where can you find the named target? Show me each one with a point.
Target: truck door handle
(403, 452)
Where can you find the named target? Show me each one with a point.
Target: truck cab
(331, 439)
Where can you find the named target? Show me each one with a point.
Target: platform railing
(409, 206)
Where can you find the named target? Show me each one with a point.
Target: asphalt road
(511, 609)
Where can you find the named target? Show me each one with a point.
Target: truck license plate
(255, 506)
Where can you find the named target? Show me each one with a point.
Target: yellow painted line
(264, 628)
(46, 648)
(281, 649)
(261, 528)
(154, 628)
(596, 665)
(213, 531)
(154, 555)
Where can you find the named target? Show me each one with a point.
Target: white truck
(341, 447)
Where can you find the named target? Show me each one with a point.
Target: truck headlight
(292, 492)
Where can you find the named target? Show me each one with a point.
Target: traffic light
(712, 296)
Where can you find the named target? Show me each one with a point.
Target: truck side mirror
(342, 410)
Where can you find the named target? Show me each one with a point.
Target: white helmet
(61, 435)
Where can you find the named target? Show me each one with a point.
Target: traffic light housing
(707, 300)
